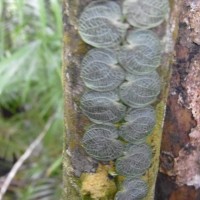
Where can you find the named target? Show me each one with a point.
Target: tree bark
(179, 177)
(84, 177)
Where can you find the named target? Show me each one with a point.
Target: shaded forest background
(31, 95)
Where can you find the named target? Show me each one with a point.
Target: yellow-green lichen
(154, 139)
(98, 186)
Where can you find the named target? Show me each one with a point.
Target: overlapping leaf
(135, 189)
(139, 123)
(102, 107)
(144, 37)
(100, 25)
(136, 161)
(142, 54)
(140, 91)
(99, 70)
(145, 13)
(101, 143)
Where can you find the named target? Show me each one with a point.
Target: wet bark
(179, 176)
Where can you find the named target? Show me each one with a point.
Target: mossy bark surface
(75, 161)
(83, 177)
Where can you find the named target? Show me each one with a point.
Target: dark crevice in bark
(179, 120)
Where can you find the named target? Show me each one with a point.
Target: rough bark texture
(83, 177)
(179, 177)
(75, 161)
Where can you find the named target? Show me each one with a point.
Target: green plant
(139, 54)
(30, 83)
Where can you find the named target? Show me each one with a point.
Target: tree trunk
(179, 177)
(86, 178)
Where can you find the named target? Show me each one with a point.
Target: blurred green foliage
(31, 92)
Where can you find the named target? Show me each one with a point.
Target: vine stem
(24, 157)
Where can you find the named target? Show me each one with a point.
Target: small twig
(24, 157)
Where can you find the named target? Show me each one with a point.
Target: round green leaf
(99, 70)
(100, 142)
(135, 189)
(139, 123)
(102, 107)
(140, 91)
(100, 24)
(142, 54)
(136, 161)
(145, 13)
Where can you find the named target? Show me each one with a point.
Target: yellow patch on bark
(98, 186)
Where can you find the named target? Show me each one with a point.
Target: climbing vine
(122, 86)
